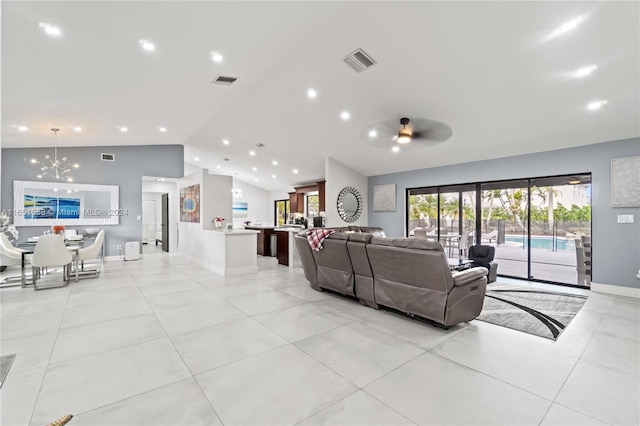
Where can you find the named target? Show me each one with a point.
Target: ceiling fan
(415, 132)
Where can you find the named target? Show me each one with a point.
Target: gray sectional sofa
(405, 274)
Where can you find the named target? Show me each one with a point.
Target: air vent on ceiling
(259, 145)
(226, 81)
(226, 159)
(359, 60)
(107, 157)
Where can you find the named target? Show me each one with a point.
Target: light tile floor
(164, 341)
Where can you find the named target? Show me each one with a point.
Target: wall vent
(359, 60)
(107, 157)
(225, 81)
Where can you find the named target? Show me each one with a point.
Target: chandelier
(54, 168)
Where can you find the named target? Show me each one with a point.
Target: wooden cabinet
(283, 248)
(296, 202)
(321, 196)
(264, 239)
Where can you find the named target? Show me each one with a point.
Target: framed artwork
(240, 210)
(190, 203)
(625, 182)
(62, 203)
(384, 198)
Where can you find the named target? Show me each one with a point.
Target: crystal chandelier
(54, 168)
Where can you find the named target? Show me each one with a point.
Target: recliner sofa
(405, 274)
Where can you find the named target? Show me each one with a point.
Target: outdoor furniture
(583, 258)
(491, 236)
(50, 251)
(464, 243)
(482, 255)
(420, 233)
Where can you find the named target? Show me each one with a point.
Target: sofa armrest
(472, 274)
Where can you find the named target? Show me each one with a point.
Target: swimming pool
(540, 242)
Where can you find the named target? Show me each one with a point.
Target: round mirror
(349, 204)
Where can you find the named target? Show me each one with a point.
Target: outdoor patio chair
(483, 256)
(491, 236)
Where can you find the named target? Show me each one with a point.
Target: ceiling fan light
(404, 136)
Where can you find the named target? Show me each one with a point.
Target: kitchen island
(287, 251)
(263, 238)
(224, 252)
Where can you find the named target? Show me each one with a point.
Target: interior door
(165, 222)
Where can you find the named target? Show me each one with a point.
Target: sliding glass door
(540, 227)
(505, 225)
(561, 229)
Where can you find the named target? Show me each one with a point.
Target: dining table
(29, 246)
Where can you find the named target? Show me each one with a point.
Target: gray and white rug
(5, 365)
(540, 312)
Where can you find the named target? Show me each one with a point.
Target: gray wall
(132, 162)
(616, 247)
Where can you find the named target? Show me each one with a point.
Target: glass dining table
(28, 247)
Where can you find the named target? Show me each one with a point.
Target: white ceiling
(487, 69)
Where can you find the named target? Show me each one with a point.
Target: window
(313, 205)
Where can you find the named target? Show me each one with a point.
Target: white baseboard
(616, 290)
(112, 258)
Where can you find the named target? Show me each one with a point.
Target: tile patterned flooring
(165, 341)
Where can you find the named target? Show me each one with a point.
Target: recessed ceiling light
(345, 115)
(218, 166)
(274, 162)
(147, 45)
(77, 129)
(216, 57)
(395, 149)
(255, 169)
(252, 153)
(161, 179)
(225, 141)
(23, 128)
(582, 72)
(373, 133)
(34, 161)
(50, 29)
(124, 129)
(295, 171)
(273, 176)
(196, 158)
(162, 129)
(567, 26)
(312, 93)
(76, 165)
(256, 180)
(596, 104)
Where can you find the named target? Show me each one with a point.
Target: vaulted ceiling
(500, 74)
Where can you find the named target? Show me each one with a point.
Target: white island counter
(224, 252)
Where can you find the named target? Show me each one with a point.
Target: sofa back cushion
(427, 268)
(334, 264)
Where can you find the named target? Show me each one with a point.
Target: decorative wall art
(384, 198)
(349, 204)
(625, 182)
(240, 209)
(61, 203)
(190, 203)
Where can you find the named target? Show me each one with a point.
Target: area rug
(539, 312)
(5, 365)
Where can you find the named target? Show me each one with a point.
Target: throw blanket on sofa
(317, 236)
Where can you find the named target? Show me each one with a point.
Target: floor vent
(107, 157)
(225, 81)
(359, 60)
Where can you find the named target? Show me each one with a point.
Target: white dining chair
(9, 256)
(89, 253)
(50, 251)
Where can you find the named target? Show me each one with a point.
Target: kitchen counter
(287, 251)
(263, 238)
(224, 252)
